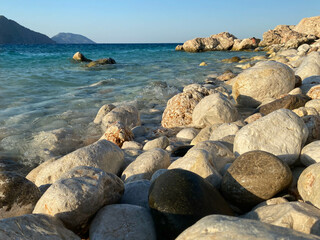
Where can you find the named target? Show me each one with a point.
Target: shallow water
(42, 88)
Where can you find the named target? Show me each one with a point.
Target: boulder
(35, 226)
(309, 184)
(122, 221)
(310, 154)
(314, 92)
(101, 62)
(298, 216)
(78, 195)
(161, 142)
(179, 48)
(245, 44)
(315, 103)
(232, 60)
(18, 195)
(104, 110)
(309, 26)
(180, 107)
(187, 134)
(136, 193)
(305, 111)
(78, 56)
(309, 82)
(255, 177)
(204, 134)
(129, 116)
(178, 198)
(313, 124)
(118, 134)
(226, 227)
(288, 102)
(132, 145)
(253, 117)
(215, 108)
(102, 154)
(224, 130)
(310, 66)
(145, 165)
(264, 80)
(281, 133)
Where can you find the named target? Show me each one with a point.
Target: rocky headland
(234, 158)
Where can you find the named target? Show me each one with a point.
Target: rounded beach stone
(35, 226)
(226, 227)
(255, 177)
(313, 124)
(309, 184)
(136, 193)
(18, 195)
(264, 80)
(310, 154)
(101, 154)
(129, 116)
(310, 82)
(104, 110)
(224, 130)
(314, 92)
(178, 198)
(161, 142)
(204, 134)
(310, 66)
(187, 134)
(131, 145)
(215, 108)
(281, 133)
(78, 195)
(146, 164)
(315, 103)
(117, 133)
(122, 221)
(298, 216)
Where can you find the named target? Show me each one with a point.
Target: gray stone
(131, 145)
(281, 133)
(78, 195)
(102, 154)
(136, 193)
(122, 221)
(161, 142)
(204, 134)
(104, 110)
(129, 116)
(35, 226)
(224, 130)
(226, 228)
(187, 133)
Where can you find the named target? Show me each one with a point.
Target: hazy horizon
(142, 21)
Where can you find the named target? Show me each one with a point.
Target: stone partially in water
(178, 198)
(104, 110)
(100, 62)
(78, 56)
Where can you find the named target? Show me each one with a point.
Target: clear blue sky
(126, 21)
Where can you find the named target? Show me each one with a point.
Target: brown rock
(309, 26)
(226, 76)
(100, 62)
(314, 92)
(78, 56)
(231, 60)
(179, 48)
(253, 118)
(118, 134)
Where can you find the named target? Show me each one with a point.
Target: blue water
(42, 88)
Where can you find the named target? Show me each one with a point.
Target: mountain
(13, 33)
(71, 38)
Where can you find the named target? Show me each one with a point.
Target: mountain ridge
(71, 38)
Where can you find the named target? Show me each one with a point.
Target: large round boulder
(215, 108)
(310, 66)
(178, 198)
(309, 25)
(264, 80)
(281, 133)
(129, 116)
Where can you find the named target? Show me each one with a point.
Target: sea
(43, 89)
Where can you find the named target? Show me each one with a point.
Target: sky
(156, 21)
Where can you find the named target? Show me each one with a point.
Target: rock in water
(264, 80)
(78, 195)
(18, 195)
(78, 56)
(281, 133)
(178, 198)
(122, 221)
(35, 226)
(255, 177)
(234, 228)
(101, 62)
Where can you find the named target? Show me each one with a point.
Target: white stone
(310, 154)
(104, 110)
(102, 154)
(131, 145)
(315, 103)
(122, 221)
(281, 133)
(129, 116)
(215, 108)
(161, 142)
(187, 133)
(224, 130)
(146, 164)
(303, 48)
(310, 66)
(78, 195)
(204, 134)
(264, 80)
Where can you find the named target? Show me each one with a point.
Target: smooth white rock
(161, 142)
(310, 154)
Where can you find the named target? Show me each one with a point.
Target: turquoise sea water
(42, 88)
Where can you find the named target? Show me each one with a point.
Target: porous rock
(118, 134)
(309, 25)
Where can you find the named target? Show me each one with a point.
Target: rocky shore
(236, 157)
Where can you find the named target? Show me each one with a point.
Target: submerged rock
(78, 56)
(100, 62)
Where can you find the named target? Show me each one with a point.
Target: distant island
(71, 38)
(13, 33)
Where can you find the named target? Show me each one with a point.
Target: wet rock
(78, 56)
(118, 134)
(104, 110)
(145, 165)
(35, 226)
(179, 48)
(281, 133)
(18, 195)
(226, 227)
(102, 154)
(136, 193)
(231, 60)
(123, 221)
(100, 62)
(298, 216)
(310, 154)
(215, 108)
(226, 76)
(264, 80)
(129, 116)
(161, 142)
(203, 64)
(9, 165)
(178, 198)
(78, 195)
(255, 177)
(288, 102)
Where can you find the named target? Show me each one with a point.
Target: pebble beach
(226, 147)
